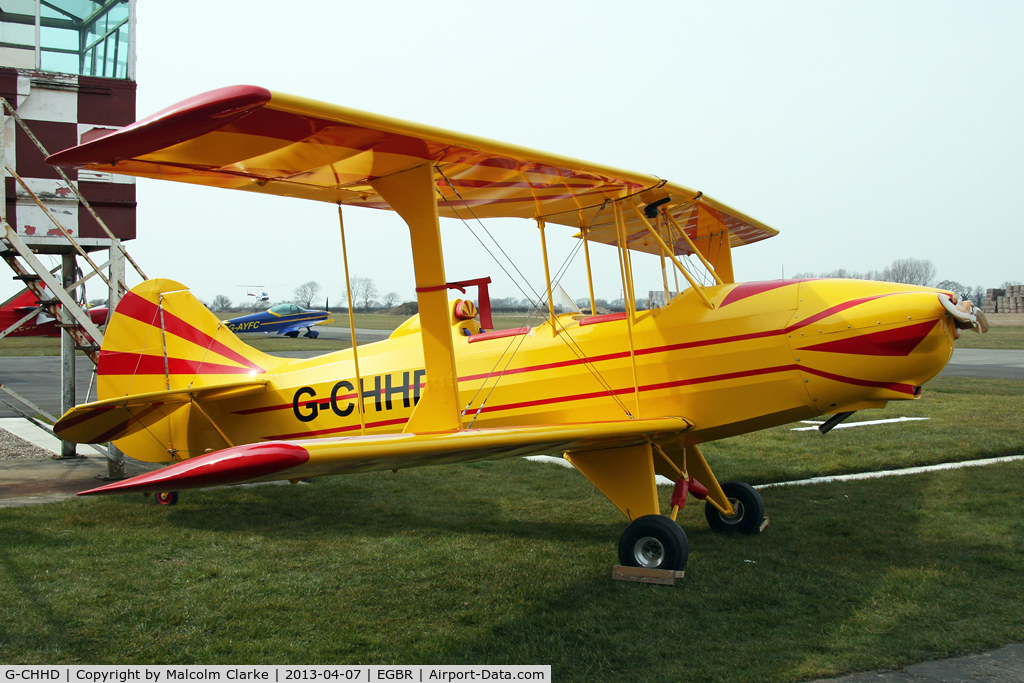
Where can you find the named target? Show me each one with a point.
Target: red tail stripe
(114, 432)
(122, 363)
(84, 416)
(145, 311)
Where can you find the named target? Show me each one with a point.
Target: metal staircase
(57, 296)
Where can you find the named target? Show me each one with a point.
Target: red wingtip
(183, 121)
(222, 468)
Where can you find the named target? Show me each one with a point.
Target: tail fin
(24, 299)
(162, 341)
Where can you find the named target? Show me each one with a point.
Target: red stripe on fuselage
(745, 290)
(836, 309)
(625, 354)
(896, 342)
(336, 430)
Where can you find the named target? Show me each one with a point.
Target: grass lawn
(509, 563)
(968, 419)
(1009, 337)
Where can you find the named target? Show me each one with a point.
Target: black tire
(312, 334)
(293, 334)
(167, 498)
(747, 503)
(654, 542)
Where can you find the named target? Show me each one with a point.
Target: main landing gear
(654, 542)
(626, 475)
(657, 542)
(748, 510)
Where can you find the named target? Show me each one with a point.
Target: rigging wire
(533, 302)
(564, 336)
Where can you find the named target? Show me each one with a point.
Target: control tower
(67, 75)
(68, 68)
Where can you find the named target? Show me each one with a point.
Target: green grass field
(1009, 337)
(509, 563)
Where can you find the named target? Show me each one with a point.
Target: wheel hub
(649, 552)
(737, 512)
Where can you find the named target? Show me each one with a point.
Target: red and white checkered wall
(60, 109)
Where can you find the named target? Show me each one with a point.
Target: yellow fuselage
(768, 353)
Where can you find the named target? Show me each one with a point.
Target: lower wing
(281, 460)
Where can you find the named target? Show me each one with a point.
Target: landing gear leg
(626, 476)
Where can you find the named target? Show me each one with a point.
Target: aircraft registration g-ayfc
(623, 397)
(286, 319)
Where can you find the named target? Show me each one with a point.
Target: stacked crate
(1009, 300)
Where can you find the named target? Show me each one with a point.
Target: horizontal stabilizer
(278, 460)
(116, 418)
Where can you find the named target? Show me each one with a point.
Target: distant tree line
(365, 297)
(908, 271)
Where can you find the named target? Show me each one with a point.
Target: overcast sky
(863, 132)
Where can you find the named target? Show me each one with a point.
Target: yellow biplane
(623, 397)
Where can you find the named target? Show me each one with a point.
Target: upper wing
(277, 460)
(248, 138)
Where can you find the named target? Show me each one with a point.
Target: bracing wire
(536, 297)
(565, 336)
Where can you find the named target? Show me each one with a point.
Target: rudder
(159, 338)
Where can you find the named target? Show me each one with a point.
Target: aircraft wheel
(293, 334)
(312, 334)
(167, 498)
(748, 507)
(654, 542)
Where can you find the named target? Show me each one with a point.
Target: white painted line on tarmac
(846, 425)
(23, 429)
(662, 481)
(895, 473)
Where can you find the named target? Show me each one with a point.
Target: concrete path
(1005, 665)
(32, 481)
(986, 364)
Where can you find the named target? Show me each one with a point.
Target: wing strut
(411, 194)
(351, 325)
